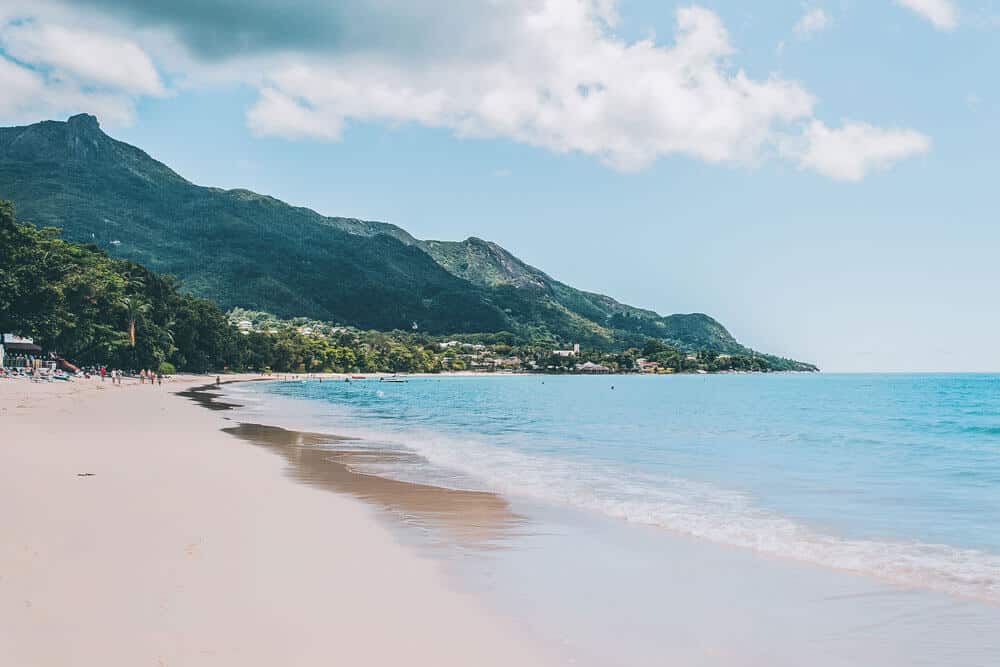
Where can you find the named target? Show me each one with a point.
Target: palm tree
(165, 340)
(135, 308)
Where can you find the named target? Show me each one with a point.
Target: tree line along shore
(93, 310)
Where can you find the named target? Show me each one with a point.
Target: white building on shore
(591, 367)
(568, 353)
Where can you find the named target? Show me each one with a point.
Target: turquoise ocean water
(894, 477)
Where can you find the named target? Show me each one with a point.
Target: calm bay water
(892, 476)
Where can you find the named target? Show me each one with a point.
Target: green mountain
(243, 249)
(488, 265)
(234, 246)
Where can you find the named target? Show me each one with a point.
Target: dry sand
(187, 546)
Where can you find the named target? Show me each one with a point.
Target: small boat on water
(357, 377)
(392, 379)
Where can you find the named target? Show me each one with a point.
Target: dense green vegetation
(314, 346)
(96, 310)
(549, 306)
(241, 249)
(235, 247)
(93, 309)
(75, 300)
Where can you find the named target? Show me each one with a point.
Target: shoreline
(183, 546)
(600, 590)
(334, 375)
(470, 519)
(813, 549)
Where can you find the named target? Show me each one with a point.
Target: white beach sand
(187, 546)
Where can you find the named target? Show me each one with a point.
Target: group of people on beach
(150, 376)
(144, 375)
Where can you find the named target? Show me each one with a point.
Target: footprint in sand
(193, 549)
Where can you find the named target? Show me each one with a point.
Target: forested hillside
(242, 249)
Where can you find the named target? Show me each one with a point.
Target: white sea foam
(699, 510)
(692, 508)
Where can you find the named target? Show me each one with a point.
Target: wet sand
(471, 519)
(184, 546)
(601, 591)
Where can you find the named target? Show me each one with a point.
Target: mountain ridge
(246, 249)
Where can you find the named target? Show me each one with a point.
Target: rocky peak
(84, 122)
(75, 142)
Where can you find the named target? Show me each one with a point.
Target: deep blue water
(894, 476)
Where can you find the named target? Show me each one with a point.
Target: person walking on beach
(102, 373)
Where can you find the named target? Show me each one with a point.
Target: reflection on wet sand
(207, 396)
(470, 517)
(473, 519)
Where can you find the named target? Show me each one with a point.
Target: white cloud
(942, 13)
(88, 57)
(277, 113)
(563, 84)
(549, 73)
(813, 21)
(50, 70)
(29, 96)
(18, 84)
(850, 152)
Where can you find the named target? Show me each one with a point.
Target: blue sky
(826, 191)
